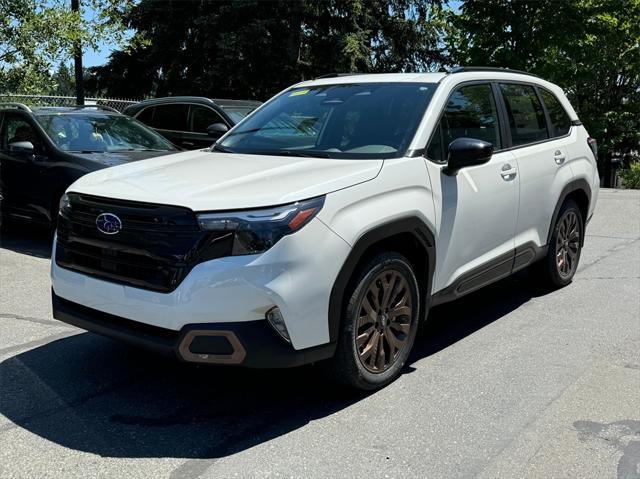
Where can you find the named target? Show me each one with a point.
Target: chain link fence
(52, 100)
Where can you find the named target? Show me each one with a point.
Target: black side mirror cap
(25, 147)
(464, 152)
(217, 129)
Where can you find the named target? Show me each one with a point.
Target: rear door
(476, 210)
(540, 148)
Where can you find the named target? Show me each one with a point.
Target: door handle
(508, 171)
(559, 157)
(187, 143)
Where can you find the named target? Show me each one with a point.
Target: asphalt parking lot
(512, 381)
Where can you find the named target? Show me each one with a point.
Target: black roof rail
(335, 75)
(490, 69)
(17, 106)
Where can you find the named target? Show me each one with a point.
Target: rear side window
(560, 121)
(526, 116)
(171, 117)
(470, 113)
(202, 117)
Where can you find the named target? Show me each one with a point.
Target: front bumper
(251, 344)
(293, 275)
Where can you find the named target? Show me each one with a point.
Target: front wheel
(378, 324)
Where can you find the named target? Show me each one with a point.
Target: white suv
(327, 223)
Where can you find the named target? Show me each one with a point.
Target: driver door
(20, 172)
(476, 209)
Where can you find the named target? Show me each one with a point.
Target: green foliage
(591, 48)
(35, 34)
(252, 48)
(630, 177)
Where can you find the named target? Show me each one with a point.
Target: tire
(558, 268)
(384, 284)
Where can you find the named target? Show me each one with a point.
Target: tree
(63, 82)
(252, 48)
(35, 34)
(591, 48)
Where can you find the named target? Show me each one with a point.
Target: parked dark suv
(191, 122)
(43, 150)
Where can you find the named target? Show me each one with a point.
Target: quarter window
(560, 121)
(470, 113)
(525, 113)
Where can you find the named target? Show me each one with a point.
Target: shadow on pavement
(91, 394)
(26, 239)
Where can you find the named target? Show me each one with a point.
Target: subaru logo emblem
(108, 223)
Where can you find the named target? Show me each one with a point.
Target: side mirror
(217, 130)
(23, 147)
(465, 152)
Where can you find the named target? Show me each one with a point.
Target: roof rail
(490, 69)
(17, 106)
(80, 107)
(335, 75)
(100, 107)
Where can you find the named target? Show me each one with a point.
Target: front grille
(156, 248)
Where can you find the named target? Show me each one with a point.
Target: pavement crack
(35, 343)
(608, 253)
(32, 319)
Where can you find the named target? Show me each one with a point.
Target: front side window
(470, 113)
(202, 117)
(369, 120)
(525, 113)
(560, 121)
(101, 133)
(15, 129)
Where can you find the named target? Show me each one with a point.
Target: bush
(631, 176)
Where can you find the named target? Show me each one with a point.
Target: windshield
(101, 133)
(369, 120)
(237, 113)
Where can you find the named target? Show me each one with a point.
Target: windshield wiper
(221, 148)
(303, 154)
(300, 153)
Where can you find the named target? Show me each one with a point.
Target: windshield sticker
(299, 92)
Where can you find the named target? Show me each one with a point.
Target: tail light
(593, 144)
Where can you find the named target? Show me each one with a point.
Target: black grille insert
(156, 248)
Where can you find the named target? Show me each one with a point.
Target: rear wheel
(563, 255)
(379, 323)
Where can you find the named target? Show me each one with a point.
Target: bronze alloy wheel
(568, 244)
(384, 321)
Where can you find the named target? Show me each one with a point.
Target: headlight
(65, 205)
(256, 231)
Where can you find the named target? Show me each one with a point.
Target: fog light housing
(274, 316)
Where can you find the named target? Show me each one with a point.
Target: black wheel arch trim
(576, 185)
(412, 225)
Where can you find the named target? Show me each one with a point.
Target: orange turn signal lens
(301, 218)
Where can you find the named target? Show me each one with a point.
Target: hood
(207, 181)
(113, 158)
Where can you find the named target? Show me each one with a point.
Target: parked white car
(325, 225)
